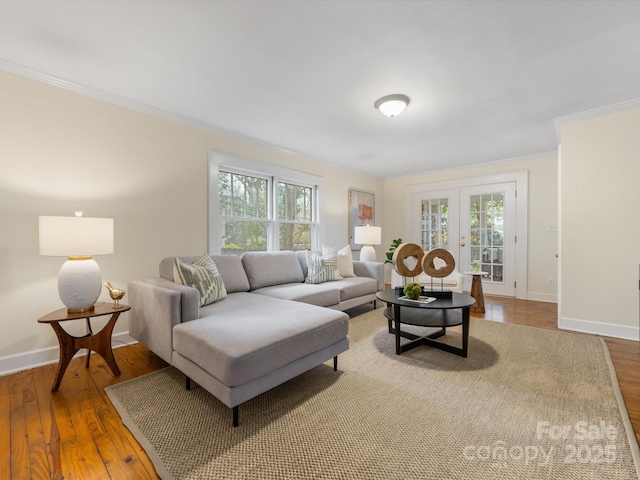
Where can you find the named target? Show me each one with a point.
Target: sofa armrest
(373, 270)
(157, 305)
(189, 297)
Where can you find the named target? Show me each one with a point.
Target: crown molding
(521, 158)
(39, 76)
(21, 70)
(596, 112)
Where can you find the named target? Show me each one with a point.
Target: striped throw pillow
(202, 275)
(322, 268)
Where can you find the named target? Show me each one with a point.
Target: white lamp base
(79, 283)
(367, 254)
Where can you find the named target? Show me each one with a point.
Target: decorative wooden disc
(429, 268)
(402, 253)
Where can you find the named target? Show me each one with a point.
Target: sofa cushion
(264, 269)
(345, 260)
(355, 287)
(322, 268)
(323, 294)
(266, 334)
(302, 258)
(203, 276)
(229, 266)
(165, 268)
(233, 274)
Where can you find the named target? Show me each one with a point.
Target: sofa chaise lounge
(270, 328)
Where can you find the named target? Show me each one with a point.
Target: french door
(477, 225)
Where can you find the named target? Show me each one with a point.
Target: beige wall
(543, 212)
(600, 227)
(61, 152)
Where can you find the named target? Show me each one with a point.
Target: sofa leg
(188, 384)
(235, 416)
(335, 363)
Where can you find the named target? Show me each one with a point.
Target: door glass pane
(434, 226)
(475, 236)
(487, 235)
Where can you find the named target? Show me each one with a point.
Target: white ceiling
(486, 78)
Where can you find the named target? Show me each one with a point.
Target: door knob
(462, 244)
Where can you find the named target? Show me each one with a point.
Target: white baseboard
(36, 358)
(625, 332)
(542, 297)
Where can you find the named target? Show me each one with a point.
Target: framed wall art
(362, 211)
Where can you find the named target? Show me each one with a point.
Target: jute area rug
(526, 404)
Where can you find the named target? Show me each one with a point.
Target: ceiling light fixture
(392, 105)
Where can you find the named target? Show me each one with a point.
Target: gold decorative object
(429, 268)
(115, 293)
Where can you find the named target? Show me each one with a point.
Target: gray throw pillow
(202, 275)
(322, 268)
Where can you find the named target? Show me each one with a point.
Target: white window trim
(218, 161)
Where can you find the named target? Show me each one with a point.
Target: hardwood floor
(76, 433)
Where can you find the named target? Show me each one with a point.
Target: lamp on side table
(369, 236)
(78, 238)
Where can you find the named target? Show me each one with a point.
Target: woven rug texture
(527, 403)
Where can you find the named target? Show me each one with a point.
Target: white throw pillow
(345, 260)
(322, 268)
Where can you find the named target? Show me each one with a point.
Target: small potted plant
(394, 244)
(392, 248)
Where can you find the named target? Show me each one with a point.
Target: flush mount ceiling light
(392, 105)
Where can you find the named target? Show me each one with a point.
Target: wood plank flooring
(76, 433)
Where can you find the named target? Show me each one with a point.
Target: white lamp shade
(79, 280)
(75, 236)
(368, 235)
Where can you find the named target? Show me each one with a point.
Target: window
(295, 216)
(244, 220)
(434, 223)
(255, 207)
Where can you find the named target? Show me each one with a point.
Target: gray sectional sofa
(270, 328)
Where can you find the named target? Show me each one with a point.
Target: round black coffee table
(440, 313)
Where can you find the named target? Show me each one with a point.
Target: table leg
(89, 332)
(67, 351)
(476, 292)
(465, 330)
(99, 343)
(396, 319)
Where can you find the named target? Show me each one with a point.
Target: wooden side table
(476, 291)
(99, 342)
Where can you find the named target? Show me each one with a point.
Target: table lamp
(78, 238)
(369, 236)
